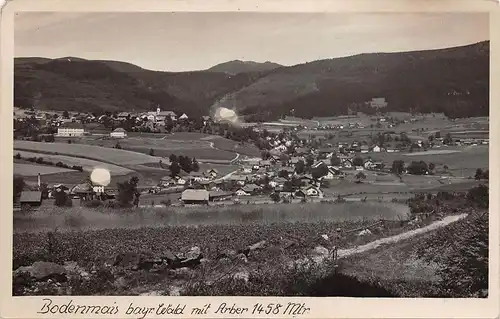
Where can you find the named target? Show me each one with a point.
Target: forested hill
(454, 81)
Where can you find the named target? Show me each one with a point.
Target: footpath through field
(396, 238)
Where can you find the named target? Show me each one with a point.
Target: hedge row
(40, 160)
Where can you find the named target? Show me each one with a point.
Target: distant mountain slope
(454, 81)
(238, 66)
(85, 85)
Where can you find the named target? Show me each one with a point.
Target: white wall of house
(65, 131)
(118, 134)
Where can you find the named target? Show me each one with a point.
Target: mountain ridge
(418, 80)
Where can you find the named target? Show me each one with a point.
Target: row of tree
(178, 163)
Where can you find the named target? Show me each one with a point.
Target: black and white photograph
(300, 154)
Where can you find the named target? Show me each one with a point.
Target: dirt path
(396, 238)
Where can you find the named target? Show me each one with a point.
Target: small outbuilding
(30, 198)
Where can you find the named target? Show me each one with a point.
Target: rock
(319, 254)
(152, 293)
(72, 268)
(242, 257)
(324, 236)
(242, 275)
(43, 271)
(365, 232)
(120, 282)
(287, 243)
(229, 254)
(174, 291)
(259, 245)
(169, 256)
(127, 260)
(193, 253)
(246, 251)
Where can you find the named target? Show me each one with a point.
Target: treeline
(184, 163)
(42, 161)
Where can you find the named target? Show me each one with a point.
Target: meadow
(87, 164)
(34, 170)
(77, 218)
(102, 154)
(164, 146)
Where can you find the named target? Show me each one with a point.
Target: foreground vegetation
(223, 262)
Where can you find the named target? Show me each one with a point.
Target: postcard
(233, 159)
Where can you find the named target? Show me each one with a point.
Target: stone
(365, 232)
(43, 270)
(242, 275)
(193, 253)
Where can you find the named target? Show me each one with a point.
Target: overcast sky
(195, 41)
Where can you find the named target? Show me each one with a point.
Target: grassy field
(165, 146)
(50, 217)
(103, 154)
(88, 165)
(395, 267)
(33, 169)
(463, 162)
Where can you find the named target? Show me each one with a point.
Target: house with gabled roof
(211, 173)
(118, 133)
(197, 176)
(195, 196)
(238, 179)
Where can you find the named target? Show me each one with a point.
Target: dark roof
(30, 197)
(220, 193)
(250, 187)
(72, 125)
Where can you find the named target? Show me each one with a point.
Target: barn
(30, 198)
(195, 196)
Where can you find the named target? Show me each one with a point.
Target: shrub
(39, 160)
(59, 164)
(93, 203)
(17, 156)
(462, 251)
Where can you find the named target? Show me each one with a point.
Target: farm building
(219, 195)
(30, 198)
(183, 117)
(163, 115)
(195, 196)
(70, 129)
(118, 133)
(378, 102)
(211, 173)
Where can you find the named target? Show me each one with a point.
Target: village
(298, 161)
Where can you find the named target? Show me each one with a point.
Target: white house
(313, 191)
(70, 129)
(98, 189)
(376, 149)
(378, 102)
(163, 115)
(180, 181)
(241, 192)
(118, 133)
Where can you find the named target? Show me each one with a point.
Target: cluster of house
(73, 125)
(264, 177)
